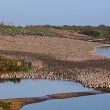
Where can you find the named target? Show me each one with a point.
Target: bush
(14, 65)
(91, 33)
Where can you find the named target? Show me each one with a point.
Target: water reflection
(10, 80)
(36, 88)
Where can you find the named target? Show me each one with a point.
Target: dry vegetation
(74, 32)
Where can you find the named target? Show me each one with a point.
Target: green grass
(7, 65)
(4, 105)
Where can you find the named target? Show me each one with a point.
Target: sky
(55, 12)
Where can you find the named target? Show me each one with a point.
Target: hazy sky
(55, 12)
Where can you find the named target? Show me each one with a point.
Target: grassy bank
(8, 65)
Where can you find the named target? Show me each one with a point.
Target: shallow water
(103, 51)
(96, 102)
(36, 88)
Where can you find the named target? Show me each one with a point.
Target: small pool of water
(103, 51)
(36, 88)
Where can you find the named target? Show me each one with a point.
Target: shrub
(91, 33)
(14, 65)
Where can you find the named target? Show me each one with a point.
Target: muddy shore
(17, 103)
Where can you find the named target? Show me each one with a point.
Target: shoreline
(74, 62)
(18, 103)
(46, 67)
